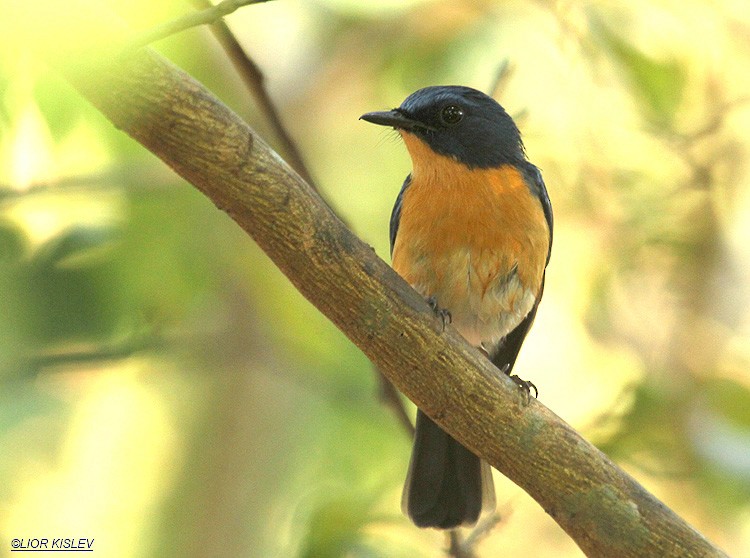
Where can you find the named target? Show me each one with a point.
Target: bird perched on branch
(471, 231)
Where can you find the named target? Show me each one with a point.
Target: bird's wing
(396, 213)
(534, 178)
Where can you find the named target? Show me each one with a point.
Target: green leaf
(77, 247)
(658, 85)
(12, 242)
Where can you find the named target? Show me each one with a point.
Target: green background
(166, 391)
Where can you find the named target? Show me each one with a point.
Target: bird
(471, 231)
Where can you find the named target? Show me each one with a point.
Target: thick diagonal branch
(601, 507)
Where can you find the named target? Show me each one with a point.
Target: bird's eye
(451, 114)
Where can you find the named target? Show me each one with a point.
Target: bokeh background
(165, 390)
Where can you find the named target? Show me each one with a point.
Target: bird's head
(458, 122)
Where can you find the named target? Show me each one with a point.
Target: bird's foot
(524, 385)
(441, 313)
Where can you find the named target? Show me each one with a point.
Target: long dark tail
(447, 485)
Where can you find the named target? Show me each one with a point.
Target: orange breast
(476, 239)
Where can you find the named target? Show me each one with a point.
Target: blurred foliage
(166, 391)
(657, 85)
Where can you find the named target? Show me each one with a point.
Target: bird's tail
(447, 485)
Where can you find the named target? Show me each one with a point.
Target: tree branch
(601, 507)
(211, 14)
(254, 81)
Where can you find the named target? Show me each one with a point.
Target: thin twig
(177, 25)
(460, 547)
(500, 80)
(115, 177)
(483, 530)
(255, 82)
(457, 548)
(715, 122)
(137, 344)
(390, 397)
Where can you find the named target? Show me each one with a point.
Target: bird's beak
(394, 118)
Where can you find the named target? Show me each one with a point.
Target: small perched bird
(471, 231)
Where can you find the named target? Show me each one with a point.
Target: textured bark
(601, 507)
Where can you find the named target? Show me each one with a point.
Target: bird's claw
(441, 313)
(526, 386)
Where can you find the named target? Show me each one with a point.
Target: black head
(459, 122)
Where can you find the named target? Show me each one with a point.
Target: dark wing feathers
(396, 213)
(534, 179)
